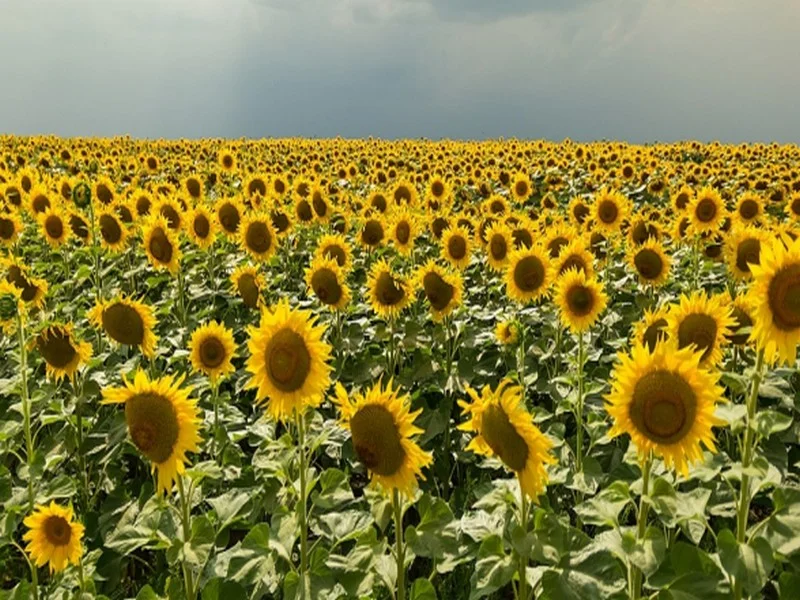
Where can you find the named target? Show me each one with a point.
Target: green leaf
(591, 573)
(604, 508)
(770, 421)
(781, 527)
(494, 568)
(648, 553)
(220, 589)
(148, 593)
(422, 589)
(335, 490)
(749, 562)
(230, 507)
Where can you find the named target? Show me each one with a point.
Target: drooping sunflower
(498, 246)
(53, 536)
(505, 429)
(650, 262)
(528, 274)
(229, 215)
(652, 328)
(11, 305)
(381, 425)
(707, 211)
(665, 400)
(288, 361)
(507, 332)
(403, 230)
(520, 187)
(62, 352)
(112, 232)
(457, 247)
(443, 289)
(749, 208)
(701, 321)
(775, 292)
(10, 228)
(211, 349)
(580, 299)
(389, 294)
(326, 279)
(201, 226)
(127, 322)
(163, 422)
(609, 210)
(161, 244)
(256, 236)
(575, 255)
(336, 247)
(248, 283)
(743, 249)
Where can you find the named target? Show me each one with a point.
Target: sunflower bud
(82, 195)
(8, 307)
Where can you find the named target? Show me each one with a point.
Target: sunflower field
(330, 369)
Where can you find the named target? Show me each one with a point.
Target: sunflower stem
(521, 351)
(523, 559)
(634, 574)
(32, 567)
(81, 458)
(187, 536)
(181, 299)
(301, 447)
(747, 458)
(579, 411)
(26, 406)
(98, 281)
(81, 576)
(399, 547)
(215, 402)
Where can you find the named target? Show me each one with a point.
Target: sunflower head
(247, 282)
(505, 429)
(743, 249)
(575, 255)
(381, 425)
(528, 275)
(256, 236)
(702, 322)
(373, 232)
(580, 299)
(211, 349)
(706, 211)
(743, 312)
(389, 294)
(507, 332)
(650, 262)
(442, 288)
(112, 232)
(54, 537)
(201, 226)
(609, 210)
(11, 306)
(229, 215)
(162, 420)
(62, 352)
(126, 321)
(54, 226)
(404, 229)
(288, 361)
(651, 329)
(10, 228)
(326, 279)
(665, 400)
(457, 247)
(161, 244)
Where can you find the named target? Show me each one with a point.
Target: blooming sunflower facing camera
(288, 361)
(528, 275)
(54, 537)
(381, 425)
(162, 420)
(325, 279)
(211, 349)
(442, 288)
(128, 322)
(161, 244)
(389, 294)
(702, 321)
(665, 401)
(580, 300)
(650, 262)
(62, 353)
(505, 429)
(507, 332)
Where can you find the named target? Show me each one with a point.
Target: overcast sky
(640, 70)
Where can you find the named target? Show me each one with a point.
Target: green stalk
(747, 458)
(98, 282)
(81, 458)
(523, 560)
(399, 547)
(303, 516)
(187, 536)
(579, 412)
(634, 574)
(215, 402)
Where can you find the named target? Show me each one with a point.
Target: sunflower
(681, 199)
(580, 299)
(442, 288)
(201, 226)
(680, 229)
(389, 294)
(193, 187)
(701, 321)
(256, 236)
(79, 225)
(288, 361)
(248, 283)
(706, 211)
(557, 237)
(438, 190)
(749, 208)
(142, 202)
(104, 190)
(326, 279)
(641, 230)
(162, 420)
(32, 289)
(404, 192)
(39, 201)
(54, 228)
(373, 232)
(336, 247)
(226, 159)
(505, 429)
(743, 314)
(211, 350)
(579, 211)
(743, 249)
(403, 230)
(528, 275)
(112, 232)
(229, 215)
(498, 246)
(496, 206)
(10, 228)
(507, 332)
(377, 201)
(609, 210)
(53, 537)
(792, 207)
(381, 425)
(11, 305)
(255, 188)
(457, 247)
(652, 329)
(278, 188)
(161, 244)
(650, 263)
(520, 187)
(665, 401)
(775, 292)
(127, 322)
(320, 204)
(303, 211)
(62, 353)
(575, 255)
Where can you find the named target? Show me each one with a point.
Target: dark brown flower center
(580, 300)
(742, 322)
(248, 290)
(110, 229)
(648, 264)
(288, 360)
(699, 329)
(54, 226)
(503, 438)
(123, 324)
(57, 530)
(160, 246)
(229, 217)
(387, 291)
(201, 226)
(654, 333)
(326, 286)
(663, 407)
(376, 440)
(608, 212)
(784, 298)
(372, 234)
(748, 209)
(402, 232)
(457, 247)
(153, 425)
(212, 352)
(748, 252)
(529, 273)
(56, 347)
(706, 210)
(258, 237)
(438, 292)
